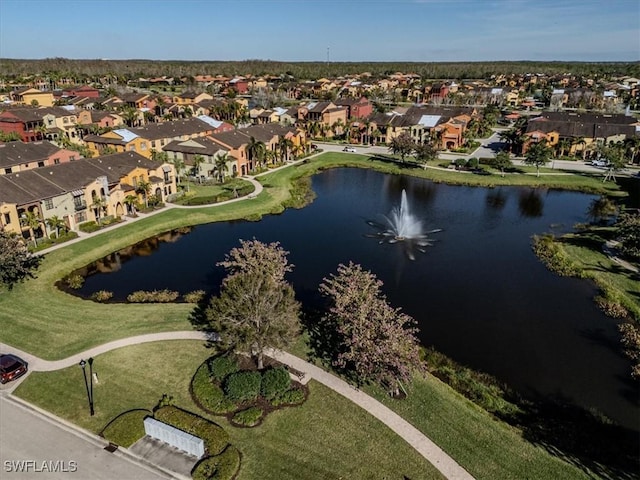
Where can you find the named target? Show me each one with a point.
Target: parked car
(11, 367)
(349, 149)
(600, 163)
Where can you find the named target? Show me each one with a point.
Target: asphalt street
(34, 447)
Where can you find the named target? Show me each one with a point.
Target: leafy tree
(628, 227)
(197, 161)
(402, 145)
(425, 152)
(130, 201)
(372, 339)
(256, 308)
(538, 154)
(99, 204)
(16, 262)
(502, 161)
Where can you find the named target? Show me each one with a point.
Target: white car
(349, 149)
(600, 163)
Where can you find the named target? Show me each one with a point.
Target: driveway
(35, 447)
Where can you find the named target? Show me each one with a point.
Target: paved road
(429, 450)
(488, 148)
(45, 445)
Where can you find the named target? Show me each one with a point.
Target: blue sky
(302, 30)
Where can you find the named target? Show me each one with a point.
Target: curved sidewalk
(423, 445)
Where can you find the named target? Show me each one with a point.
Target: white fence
(174, 437)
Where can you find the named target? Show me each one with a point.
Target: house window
(132, 148)
(153, 144)
(7, 170)
(135, 182)
(7, 219)
(50, 122)
(56, 161)
(65, 119)
(72, 158)
(48, 203)
(143, 146)
(40, 164)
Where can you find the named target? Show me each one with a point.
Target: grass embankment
(199, 194)
(326, 437)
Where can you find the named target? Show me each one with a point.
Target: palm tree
(256, 150)
(129, 115)
(144, 187)
(285, 145)
(55, 223)
(31, 220)
(197, 161)
(563, 145)
(221, 165)
(130, 201)
(633, 145)
(98, 206)
(178, 163)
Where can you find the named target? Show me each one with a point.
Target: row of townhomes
(80, 153)
(44, 183)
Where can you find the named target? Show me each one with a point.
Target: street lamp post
(88, 384)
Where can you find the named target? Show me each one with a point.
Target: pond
(479, 294)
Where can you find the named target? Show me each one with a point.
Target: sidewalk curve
(423, 445)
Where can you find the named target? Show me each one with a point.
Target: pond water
(479, 294)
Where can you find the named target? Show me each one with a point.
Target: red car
(11, 367)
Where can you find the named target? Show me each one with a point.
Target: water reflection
(496, 199)
(531, 204)
(113, 262)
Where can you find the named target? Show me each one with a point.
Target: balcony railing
(82, 205)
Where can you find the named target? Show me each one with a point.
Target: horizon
(292, 31)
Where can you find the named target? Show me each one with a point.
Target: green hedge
(242, 386)
(207, 394)
(154, 296)
(249, 417)
(290, 397)
(89, 227)
(275, 382)
(215, 438)
(221, 467)
(127, 428)
(223, 366)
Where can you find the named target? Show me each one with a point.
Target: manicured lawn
(327, 437)
(487, 448)
(196, 190)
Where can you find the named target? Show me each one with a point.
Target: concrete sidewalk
(420, 442)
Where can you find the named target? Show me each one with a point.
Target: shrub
(155, 296)
(552, 255)
(223, 366)
(249, 417)
(194, 297)
(126, 429)
(89, 227)
(207, 394)
(292, 396)
(75, 281)
(242, 386)
(102, 296)
(275, 381)
(214, 436)
(221, 467)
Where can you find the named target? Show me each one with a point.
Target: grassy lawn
(487, 448)
(585, 250)
(327, 437)
(196, 190)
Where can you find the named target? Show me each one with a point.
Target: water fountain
(401, 226)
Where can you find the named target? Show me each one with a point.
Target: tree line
(136, 68)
